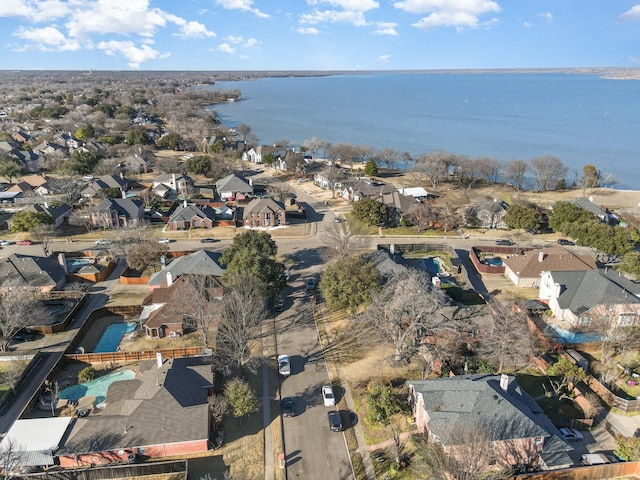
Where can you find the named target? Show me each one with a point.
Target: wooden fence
(120, 357)
(417, 247)
(150, 470)
(595, 472)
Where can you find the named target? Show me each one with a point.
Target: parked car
(288, 407)
(564, 241)
(311, 284)
(4, 243)
(571, 435)
(208, 240)
(327, 396)
(335, 424)
(164, 240)
(104, 241)
(337, 219)
(284, 367)
(506, 243)
(24, 242)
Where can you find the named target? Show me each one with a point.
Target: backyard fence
(147, 470)
(119, 357)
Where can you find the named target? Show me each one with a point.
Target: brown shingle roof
(556, 259)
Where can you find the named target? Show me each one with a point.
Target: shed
(34, 441)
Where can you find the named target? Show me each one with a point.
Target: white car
(164, 240)
(327, 396)
(103, 241)
(4, 243)
(571, 435)
(284, 367)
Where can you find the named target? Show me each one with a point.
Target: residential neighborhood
(153, 278)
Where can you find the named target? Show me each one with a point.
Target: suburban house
(188, 215)
(579, 297)
(135, 163)
(38, 183)
(258, 154)
(398, 204)
(161, 412)
(51, 149)
(290, 162)
(34, 274)
(105, 181)
(159, 320)
(23, 187)
(233, 187)
(200, 262)
(517, 429)
(59, 214)
(524, 269)
(264, 212)
(117, 213)
(490, 213)
(30, 160)
(330, 178)
(366, 188)
(419, 193)
(171, 185)
(587, 204)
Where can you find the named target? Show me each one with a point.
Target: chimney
(159, 359)
(251, 182)
(173, 181)
(558, 289)
(540, 256)
(184, 203)
(163, 261)
(504, 382)
(123, 193)
(169, 279)
(121, 175)
(62, 260)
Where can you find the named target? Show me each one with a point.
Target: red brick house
(264, 212)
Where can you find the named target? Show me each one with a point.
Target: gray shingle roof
(202, 262)
(262, 205)
(581, 291)
(472, 398)
(233, 183)
(34, 271)
(187, 213)
(162, 405)
(122, 206)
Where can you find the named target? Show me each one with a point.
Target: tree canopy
(348, 282)
(255, 252)
(25, 221)
(199, 164)
(371, 211)
(371, 168)
(519, 216)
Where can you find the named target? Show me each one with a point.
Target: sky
(347, 35)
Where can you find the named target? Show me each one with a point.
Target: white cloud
(47, 39)
(36, 11)
(632, 14)
(527, 25)
(353, 5)
(250, 43)
(546, 16)
(334, 16)
(386, 28)
(226, 48)
(194, 30)
(448, 13)
(308, 31)
(243, 5)
(384, 58)
(233, 39)
(135, 55)
(635, 60)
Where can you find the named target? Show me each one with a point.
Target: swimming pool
(430, 265)
(113, 335)
(96, 388)
(565, 336)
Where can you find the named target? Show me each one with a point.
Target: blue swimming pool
(113, 335)
(77, 263)
(565, 336)
(430, 265)
(96, 388)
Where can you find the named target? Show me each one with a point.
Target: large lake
(581, 119)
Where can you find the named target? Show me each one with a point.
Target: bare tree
(12, 371)
(139, 247)
(244, 131)
(18, 309)
(66, 188)
(167, 165)
(404, 312)
(10, 455)
(81, 217)
(204, 308)
(516, 173)
(243, 311)
(343, 242)
(421, 214)
(547, 172)
(389, 157)
(218, 407)
(508, 342)
(45, 235)
(313, 145)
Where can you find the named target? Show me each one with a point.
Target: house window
(627, 320)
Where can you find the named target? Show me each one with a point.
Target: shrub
(86, 375)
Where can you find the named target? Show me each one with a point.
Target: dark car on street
(208, 240)
(288, 407)
(565, 242)
(506, 243)
(335, 424)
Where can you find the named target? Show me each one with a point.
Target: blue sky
(317, 34)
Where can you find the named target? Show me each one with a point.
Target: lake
(581, 119)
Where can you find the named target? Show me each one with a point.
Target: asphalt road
(312, 451)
